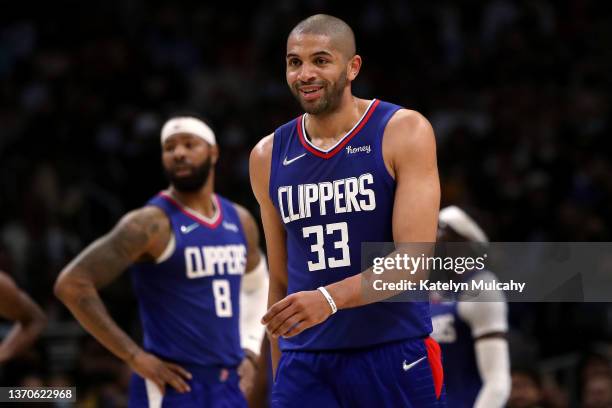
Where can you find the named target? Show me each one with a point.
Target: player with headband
(199, 277)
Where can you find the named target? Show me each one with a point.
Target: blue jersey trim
(380, 160)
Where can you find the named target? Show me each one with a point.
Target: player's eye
(293, 62)
(321, 61)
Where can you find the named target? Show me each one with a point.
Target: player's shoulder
(246, 218)
(146, 212)
(147, 228)
(249, 225)
(263, 148)
(408, 125)
(242, 211)
(408, 139)
(260, 163)
(149, 218)
(6, 282)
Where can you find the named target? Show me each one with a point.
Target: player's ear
(353, 68)
(214, 154)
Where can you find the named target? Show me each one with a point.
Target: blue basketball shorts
(402, 374)
(210, 387)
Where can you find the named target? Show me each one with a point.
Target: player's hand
(296, 313)
(160, 372)
(247, 371)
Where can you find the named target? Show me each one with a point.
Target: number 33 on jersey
(330, 202)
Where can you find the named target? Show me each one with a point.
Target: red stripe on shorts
(434, 356)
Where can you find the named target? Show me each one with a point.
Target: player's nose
(179, 153)
(306, 73)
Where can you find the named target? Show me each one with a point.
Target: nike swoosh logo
(407, 366)
(288, 162)
(230, 226)
(188, 229)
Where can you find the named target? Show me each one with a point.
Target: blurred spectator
(526, 389)
(594, 364)
(597, 392)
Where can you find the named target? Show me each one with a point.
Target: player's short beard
(194, 181)
(328, 102)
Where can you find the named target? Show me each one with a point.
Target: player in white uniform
(472, 334)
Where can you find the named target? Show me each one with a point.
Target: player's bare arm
(140, 235)
(260, 162)
(410, 156)
(251, 313)
(17, 306)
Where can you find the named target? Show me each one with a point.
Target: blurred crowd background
(519, 94)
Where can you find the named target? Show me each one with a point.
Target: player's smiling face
(316, 72)
(187, 161)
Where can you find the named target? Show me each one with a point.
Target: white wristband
(329, 299)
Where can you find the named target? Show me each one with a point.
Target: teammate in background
(17, 306)
(349, 170)
(199, 277)
(472, 334)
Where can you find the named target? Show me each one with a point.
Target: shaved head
(339, 33)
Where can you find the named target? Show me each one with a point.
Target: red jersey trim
(210, 223)
(343, 142)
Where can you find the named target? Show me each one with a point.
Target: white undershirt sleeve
(492, 354)
(493, 361)
(253, 305)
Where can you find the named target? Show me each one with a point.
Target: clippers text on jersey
(338, 196)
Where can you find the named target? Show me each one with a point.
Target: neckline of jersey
(326, 154)
(210, 222)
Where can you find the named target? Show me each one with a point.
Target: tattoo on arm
(101, 263)
(110, 255)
